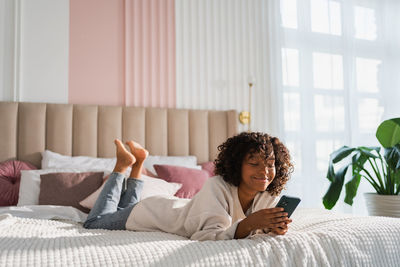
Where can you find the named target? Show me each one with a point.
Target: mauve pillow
(209, 167)
(68, 188)
(192, 180)
(10, 177)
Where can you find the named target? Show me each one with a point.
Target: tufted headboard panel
(26, 129)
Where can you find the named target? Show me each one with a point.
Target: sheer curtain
(336, 66)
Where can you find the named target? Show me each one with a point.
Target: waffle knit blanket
(315, 238)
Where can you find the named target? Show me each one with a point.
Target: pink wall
(96, 59)
(150, 45)
(122, 52)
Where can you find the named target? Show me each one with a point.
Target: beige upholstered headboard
(26, 129)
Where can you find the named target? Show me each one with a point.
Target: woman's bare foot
(138, 151)
(140, 154)
(124, 157)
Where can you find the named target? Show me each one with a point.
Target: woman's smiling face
(257, 172)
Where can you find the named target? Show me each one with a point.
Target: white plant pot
(383, 205)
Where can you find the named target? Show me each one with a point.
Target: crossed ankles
(134, 158)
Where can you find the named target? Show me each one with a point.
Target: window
(331, 93)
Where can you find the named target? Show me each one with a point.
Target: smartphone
(288, 203)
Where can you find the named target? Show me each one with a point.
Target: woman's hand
(281, 230)
(268, 218)
(265, 218)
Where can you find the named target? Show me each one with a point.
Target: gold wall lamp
(245, 116)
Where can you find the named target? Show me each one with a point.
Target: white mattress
(315, 238)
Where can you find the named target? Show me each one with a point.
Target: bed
(34, 237)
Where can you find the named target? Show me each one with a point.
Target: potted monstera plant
(380, 168)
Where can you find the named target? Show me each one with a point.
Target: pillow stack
(78, 181)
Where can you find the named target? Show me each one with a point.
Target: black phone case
(288, 203)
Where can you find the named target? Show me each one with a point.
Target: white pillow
(53, 160)
(29, 188)
(151, 187)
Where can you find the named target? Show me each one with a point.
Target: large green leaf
(388, 132)
(334, 190)
(358, 160)
(341, 153)
(351, 188)
(331, 172)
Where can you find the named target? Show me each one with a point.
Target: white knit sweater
(212, 214)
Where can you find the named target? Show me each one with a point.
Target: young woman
(251, 169)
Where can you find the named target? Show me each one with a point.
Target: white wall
(6, 49)
(41, 58)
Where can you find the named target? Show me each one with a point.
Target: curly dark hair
(233, 151)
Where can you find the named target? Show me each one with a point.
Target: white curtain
(336, 66)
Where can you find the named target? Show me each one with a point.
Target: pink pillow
(10, 176)
(192, 180)
(68, 188)
(209, 167)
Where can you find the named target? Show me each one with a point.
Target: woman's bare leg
(134, 184)
(105, 212)
(140, 153)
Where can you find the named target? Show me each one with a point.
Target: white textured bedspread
(315, 238)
